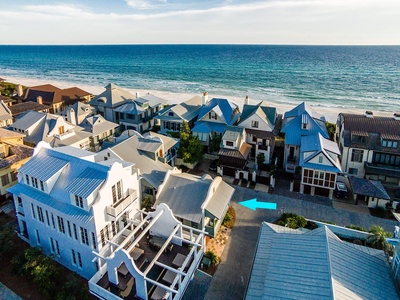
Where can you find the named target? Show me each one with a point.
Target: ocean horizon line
(211, 44)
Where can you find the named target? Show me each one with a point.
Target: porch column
(331, 194)
(312, 190)
(301, 188)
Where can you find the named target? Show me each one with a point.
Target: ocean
(360, 77)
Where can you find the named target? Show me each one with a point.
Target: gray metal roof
(112, 97)
(152, 171)
(43, 166)
(85, 183)
(368, 187)
(185, 194)
(187, 110)
(232, 133)
(219, 202)
(73, 211)
(316, 265)
(28, 119)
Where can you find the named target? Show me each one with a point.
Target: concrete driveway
(230, 280)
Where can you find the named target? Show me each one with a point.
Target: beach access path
(232, 276)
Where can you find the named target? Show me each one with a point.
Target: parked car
(213, 165)
(341, 190)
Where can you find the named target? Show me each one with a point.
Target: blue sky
(316, 22)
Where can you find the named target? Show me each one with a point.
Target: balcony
(113, 211)
(377, 169)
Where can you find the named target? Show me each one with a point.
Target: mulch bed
(235, 181)
(244, 183)
(252, 185)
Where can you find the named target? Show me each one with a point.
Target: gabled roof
(51, 94)
(266, 113)
(207, 127)
(301, 109)
(185, 194)
(316, 144)
(222, 107)
(6, 133)
(186, 111)
(232, 133)
(368, 187)
(167, 141)
(97, 125)
(5, 112)
(77, 175)
(292, 125)
(321, 266)
(20, 108)
(219, 201)
(17, 153)
(112, 97)
(152, 171)
(80, 109)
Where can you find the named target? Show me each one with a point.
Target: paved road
(230, 280)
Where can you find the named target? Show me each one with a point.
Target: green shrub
(6, 239)
(355, 227)
(212, 256)
(381, 212)
(311, 225)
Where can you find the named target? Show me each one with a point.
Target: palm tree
(378, 238)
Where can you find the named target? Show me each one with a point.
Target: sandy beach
(174, 98)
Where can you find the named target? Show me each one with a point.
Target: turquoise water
(366, 77)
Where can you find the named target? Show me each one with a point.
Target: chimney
(369, 114)
(137, 95)
(71, 116)
(396, 116)
(20, 90)
(247, 100)
(205, 97)
(39, 100)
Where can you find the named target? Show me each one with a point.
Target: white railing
(117, 208)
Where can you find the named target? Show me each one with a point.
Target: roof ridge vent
(369, 114)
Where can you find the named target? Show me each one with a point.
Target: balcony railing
(117, 208)
(292, 159)
(391, 171)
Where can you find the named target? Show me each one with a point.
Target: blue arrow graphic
(253, 204)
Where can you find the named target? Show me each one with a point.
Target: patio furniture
(156, 242)
(158, 293)
(169, 277)
(123, 269)
(206, 262)
(178, 260)
(136, 253)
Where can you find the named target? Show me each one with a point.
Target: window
(27, 179)
(308, 176)
(14, 176)
(117, 188)
(69, 228)
(52, 221)
(84, 236)
(171, 113)
(79, 260)
(75, 232)
(106, 231)
(61, 227)
(94, 240)
(254, 124)
(254, 138)
(113, 228)
(47, 218)
(38, 237)
(41, 185)
(212, 115)
(33, 211)
(389, 144)
(102, 237)
(40, 214)
(229, 143)
(357, 155)
(304, 126)
(386, 159)
(55, 248)
(79, 201)
(320, 159)
(353, 171)
(358, 139)
(148, 190)
(61, 129)
(73, 257)
(19, 199)
(5, 179)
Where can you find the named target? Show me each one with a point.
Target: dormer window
(171, 113)
(320, 159)
(254, 124)
(358, 139)
(212, 115)
(61, 130)
(79, 201)
(229, 143)
(389, 144)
